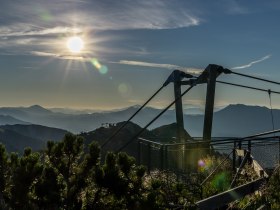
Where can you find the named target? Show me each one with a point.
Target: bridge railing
(181, 157)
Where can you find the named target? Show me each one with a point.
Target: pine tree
(26, 171)
(65, 158)
(3, 174)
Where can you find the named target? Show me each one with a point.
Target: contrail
(160, 65)
(252, 63)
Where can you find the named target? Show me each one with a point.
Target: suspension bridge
(182, 156)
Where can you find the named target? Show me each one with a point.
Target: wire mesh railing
(183, 157)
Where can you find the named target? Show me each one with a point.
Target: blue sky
(130, 48)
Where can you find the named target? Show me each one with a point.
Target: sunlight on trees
(67, 176)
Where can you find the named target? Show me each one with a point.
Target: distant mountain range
(79, 122)
(34, 126)
(233, 120)
(9, 120)
(236, 121)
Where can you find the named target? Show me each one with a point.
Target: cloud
(252, 63)
(44, 54)
(59, 17)
(160, 65)
(233, 7)
(39, 25)
(54, 55)
(30, 30)
(137, 14)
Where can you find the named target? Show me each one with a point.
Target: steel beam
(213, 72)
(224, 198)
(179, 106)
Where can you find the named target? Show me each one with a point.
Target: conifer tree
(3, 173)
(26, 171)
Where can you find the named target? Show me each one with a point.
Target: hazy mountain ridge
(9, 120)
(242, 120)
(80, 122)
(233, 120)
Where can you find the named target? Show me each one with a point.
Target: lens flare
(101, 68)
(201, 163)
(96, 63)
(221, 181)
(204, 164)
(125, 90)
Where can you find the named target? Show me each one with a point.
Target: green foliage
(48, 189)
(25, 172)
(3, 170)
(273, 189)
(251, 202)
(67, 176)
(64, 157)
(165, 191)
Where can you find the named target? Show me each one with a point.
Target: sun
(75, 44)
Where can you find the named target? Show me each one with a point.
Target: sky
(131, 47)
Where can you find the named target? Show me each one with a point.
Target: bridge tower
(208, 76)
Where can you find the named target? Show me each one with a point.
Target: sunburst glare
(75, 44)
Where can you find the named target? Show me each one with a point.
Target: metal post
(139, 152)
(179, 115)
(249, 145)
(239, 147)
(161, 157)
(233, 157)
(178, 106)
(166, 164)
(149, 158)
(210, 98)
(247, 155)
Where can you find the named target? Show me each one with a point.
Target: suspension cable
(269, 93)
(126, 122)
(252, 77)
(153, 120)
(245, 86)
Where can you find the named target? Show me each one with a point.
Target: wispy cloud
(137, 14)
(38, 53)
(30, 30)
(39, 25)
(233, 7)
(252, 63)
(54, 55)
(95, 14)
(160, 65)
